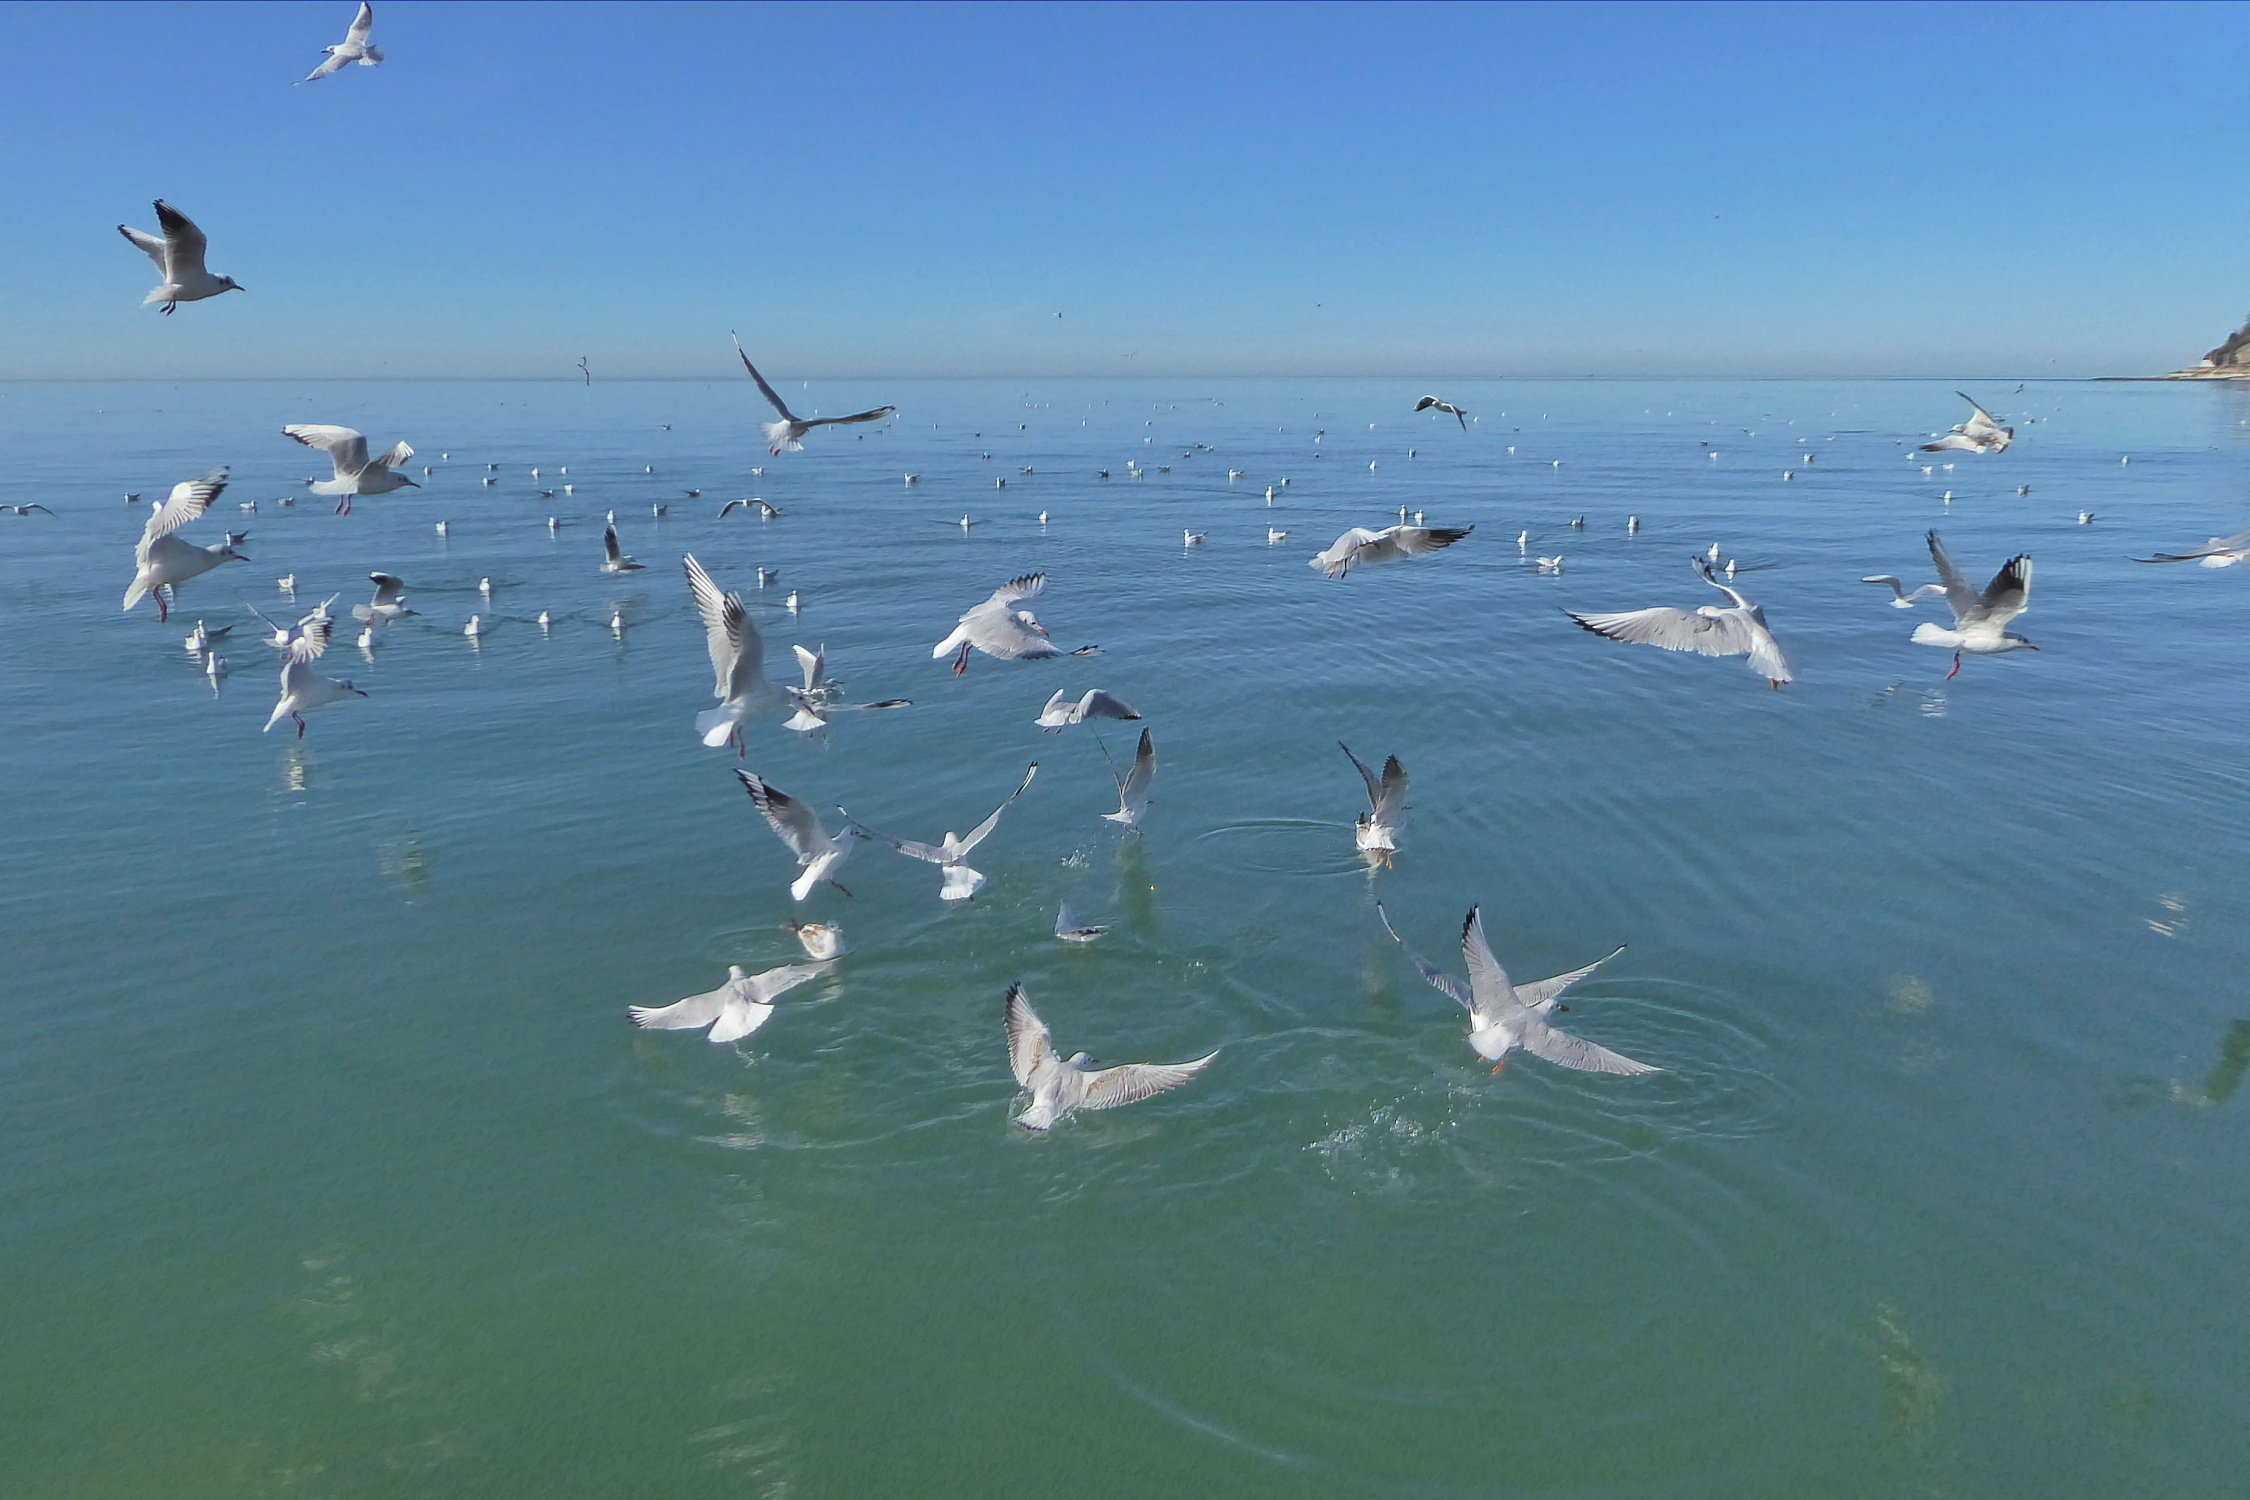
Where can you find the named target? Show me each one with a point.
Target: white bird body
(1980, 621)
(819, 856)
(162, 560)
(1069, 929)
(738, 661)
(1095, 703)
(355, 48)
(1060, 1085)
(179, 259)
(1375, 833)
(733, 1010)
(786, 435)
(999, 629)
(1979, 434)
(1361, 547)
(951, 853)
(356, 472)
(1739, 630)
(1504, 1017)
(1432, 403)
(303, 689)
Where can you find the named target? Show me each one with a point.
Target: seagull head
(2016, 642)
(1080, 1060)
(1030, 622)
(231, 548)
(229, 284)
(347, 687)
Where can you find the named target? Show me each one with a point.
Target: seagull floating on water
(1979, 620)
(1708, 631)
(1375, 833)
(161, 561)
(1061, 1085)
(1503, 1017)
(356, 48)
(733, 1010)
(179, 258)
(1069, 929)
(785, 436)
(822, 940)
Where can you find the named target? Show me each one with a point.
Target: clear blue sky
(1410, 190)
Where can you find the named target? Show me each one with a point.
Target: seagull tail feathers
(716, 726)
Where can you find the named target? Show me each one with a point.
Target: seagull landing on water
(179, 259)
(1061, 1085)
(765, 512)
(819, 856)
(822, 940)
(785, 436)
(388, 603)
(1095, 703)
(1376, 831)
(2218, 552)
(1069, 929)
(1361, 548)
(614, 559)
(1980, 434)
(303, 689)
(1432, 403)
(951, 853)
(356, 48)
(1000, 630)
(738, 661)
(733, 1010)
(821, 696)
(1132, 785)
(1708, 631)
(1503, 1017)
(1979, 620)
(161, 561)
(356, 473)
(1901, 598)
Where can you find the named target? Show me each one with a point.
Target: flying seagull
(356, 47)
(1980, 434)
(1060, 713)
(614, 559)
(733, 1010)
(1069, 929)
(786, 435)
(1979, 620)
(356, 473)
(179, 258)
(949, 855)
(1059, 1085)
(388, 603)
(1132, 786)
(819, 856)
(2219, 552)
(1739, 630)
(161, 561)
(1376, 832)
(586, 371)
(1432, 403)
(303, 689)
(998, 629)
(821, 695)
(738, 661)
(1360, 547)
(1503, 1017)
(1901, 599)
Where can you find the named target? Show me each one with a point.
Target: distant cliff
(2234, 354)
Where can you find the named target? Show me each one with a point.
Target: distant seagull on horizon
(1360, 547)
(1980, 434)
(1979, 620)
(1060, 1085)
(733, 1010)
(161, 561)
(356, 47)
(1432, 403)
(1707, 631)
(179, 258)
(785, 436)
(584, 370)
(356, 473)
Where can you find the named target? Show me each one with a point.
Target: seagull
(785, 435)
(1275, 538)
(1503, 1017)
(214, 667)
(287, 585)
(1060, 1085)
(301, 687)
(357, 49)
(765, 512)
(545, 620)
(1550, 564)
(1192, 538)
(1376, 831)
(1903, 599)
(179, 259)
(1095, 703)
(998, 629)
(2085, 518)
(161, 561)
(1360, 547)
(822, 940)
(2218, 552)
(819, 856)
(792, 603)
(388, 605)
(816, 700)
(738, 661)
(199, 639)
(733, 1010)
(474, 628)
(1979, 620)
(484, 587)
(1980, 434)
(960, 883)
(25, 509)
(1432, 403)
(356, 473)
(1132, 786)
(615, 560)
(1708, 631)
(1071, 930)
(1632, 525)
(444, 528)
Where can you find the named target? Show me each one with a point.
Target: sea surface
(330, 1164)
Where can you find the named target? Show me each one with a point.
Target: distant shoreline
(2238, 372)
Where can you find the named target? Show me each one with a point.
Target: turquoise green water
(333, 1167)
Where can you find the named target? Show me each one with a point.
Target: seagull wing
(778, 404)
(691, 1014)
(1541, 996)
(311, 640)
(1444, 983)
(399, 454)
(1564, 1050)
(1016, 590)
(1374, 784)
(2009, 593)
(1707, 632)
(1097, 704)
(363, 26)
(814, 664)
(1110, 1087)
(1030, 1047)
(876, 415)
(1980, 423)
(1488, 982)
(727, 630)
(2217, 546)
(188, 501)
(1418, 541)
(792, 822)
(1391, 804)
(1964, 601)
(344, 447)
(184, 244)
(149, 245)
(334, 62)
(1133, 790)
(775, 983)
(609, 543)
(983, 831)
(389, 588)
